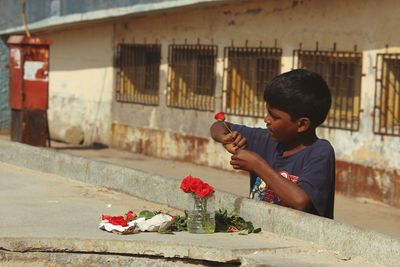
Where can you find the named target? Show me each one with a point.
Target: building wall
(4, 109)
(82, 84)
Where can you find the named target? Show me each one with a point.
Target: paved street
(36, 204)
(45, 213)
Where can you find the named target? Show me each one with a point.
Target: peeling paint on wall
(170, 145)
(358, 180)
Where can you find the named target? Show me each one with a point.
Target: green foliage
(147, 214)
(179, 224)
(223, 221)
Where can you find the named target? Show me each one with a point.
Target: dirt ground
(363, 213)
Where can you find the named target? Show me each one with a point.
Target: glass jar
(200, 220)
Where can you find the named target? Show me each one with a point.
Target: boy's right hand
(233, 142)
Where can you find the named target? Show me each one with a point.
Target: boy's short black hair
(300, 93)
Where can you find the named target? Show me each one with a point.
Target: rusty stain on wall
(354, 180)
(358, 180)
(158, 143)
(254, 10)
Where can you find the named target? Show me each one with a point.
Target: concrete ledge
(28, 259)
(347, 239)
(177, 246)
(217, 248)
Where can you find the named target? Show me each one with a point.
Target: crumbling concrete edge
(125, 247)
(346, 239)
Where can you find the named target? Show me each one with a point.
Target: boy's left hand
(245, 160)
(234, 141)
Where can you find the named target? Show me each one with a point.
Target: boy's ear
(303, 124)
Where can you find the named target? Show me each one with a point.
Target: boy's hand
(233, 142)
(245, 160)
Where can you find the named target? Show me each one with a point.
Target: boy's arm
(231, 140)
(289, 192)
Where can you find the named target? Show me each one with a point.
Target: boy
(288, 164)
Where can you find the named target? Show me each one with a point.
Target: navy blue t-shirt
(313, 167)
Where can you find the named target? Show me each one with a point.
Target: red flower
(204, 190)
(118, 220)
(197, 186)
(105, 217)
(185, 185)
(220, 116)
(232, 229)
(130, 216)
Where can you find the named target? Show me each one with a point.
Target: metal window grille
(342, 72)
(191, 79)
(247, 73)
(387, 95)
(138, 73)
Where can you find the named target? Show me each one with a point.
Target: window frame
(342, 115)
(246, 84)
(385, 73)
(138, 73)
(192, 76)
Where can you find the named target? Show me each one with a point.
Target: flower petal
(220, 116)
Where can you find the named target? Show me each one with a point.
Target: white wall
(81, 80)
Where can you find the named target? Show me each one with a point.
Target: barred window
(138, 73)
(248, 71)
(191, 79)
(387, 95)
(342, 72)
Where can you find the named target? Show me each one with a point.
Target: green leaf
(257, 230)
(223, 221)
(179, 224)
(146, 214)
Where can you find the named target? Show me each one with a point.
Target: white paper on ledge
(156, 223)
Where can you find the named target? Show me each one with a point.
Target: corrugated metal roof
(42, 14)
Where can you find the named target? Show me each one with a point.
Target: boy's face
(280, 125)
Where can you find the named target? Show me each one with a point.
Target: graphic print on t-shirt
(261, 190)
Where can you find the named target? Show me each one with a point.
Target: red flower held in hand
(197, 186)
(220, 116)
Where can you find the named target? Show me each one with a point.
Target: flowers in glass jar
(196, 186)
(199, 220)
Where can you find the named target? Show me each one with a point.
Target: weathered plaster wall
(5, 116)
(81, 81)
(346, 23)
